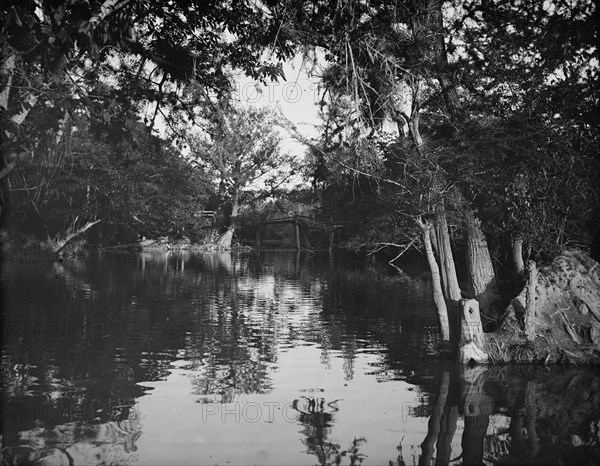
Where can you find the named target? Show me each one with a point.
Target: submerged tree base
(555, 318)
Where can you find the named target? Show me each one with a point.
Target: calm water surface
(263, 358)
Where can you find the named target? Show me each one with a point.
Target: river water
(264, 358)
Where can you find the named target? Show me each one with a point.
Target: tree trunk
(472, 341)
(517, 255)
(224, 242)
(481, 279)
(297, 232)
(413, 124)
(451, 289)
(438, 294)
(441, 61)
(444, 249)
(530, 310)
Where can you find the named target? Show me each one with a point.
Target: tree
(531, 186)
(117, 173)
(531, 72)
(38, 43)
(384, 57)
(240, 145)
(53, 54)
(438, 69)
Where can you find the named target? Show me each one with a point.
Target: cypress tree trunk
(452, 291)
(471, 344)
(444, 249)
(481, 280)
(438, 294)
(427, 234)
(530, 309)
(443, 276)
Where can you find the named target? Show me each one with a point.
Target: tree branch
(305, 140)
(61, 244)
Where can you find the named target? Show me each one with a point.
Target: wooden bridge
(322, 224)
(205, 214)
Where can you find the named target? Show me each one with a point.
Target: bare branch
(380, 246)
(406, 248)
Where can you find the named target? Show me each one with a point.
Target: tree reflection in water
(226, 322)
(511, 415)
(441, 426)
(112, 442)
(515, 415)
(317, 417)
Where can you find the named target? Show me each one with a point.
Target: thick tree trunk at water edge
(444, 250)
(472, 340)
(481, 279)
(224, 241)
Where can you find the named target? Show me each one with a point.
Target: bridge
(322, 224)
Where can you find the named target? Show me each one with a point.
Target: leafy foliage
(528, 181)
(137, 184)
(509, 120)
(54, 55)
(240, 149)
(518, 144)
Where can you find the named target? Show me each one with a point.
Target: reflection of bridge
(321, 224)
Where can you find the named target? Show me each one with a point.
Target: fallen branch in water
(72, 234)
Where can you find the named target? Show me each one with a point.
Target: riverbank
(555, 319)
(34, 250)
